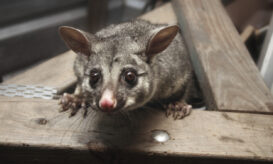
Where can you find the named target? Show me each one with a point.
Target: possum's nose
(108, 102)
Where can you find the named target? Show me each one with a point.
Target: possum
(129, 65)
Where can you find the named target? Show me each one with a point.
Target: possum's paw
(74, 103)
(178, 110)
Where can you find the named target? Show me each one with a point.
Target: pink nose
(107, 102)
(107, 105)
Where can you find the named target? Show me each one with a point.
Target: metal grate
(27, 91)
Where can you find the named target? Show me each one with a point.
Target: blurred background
(29, 28)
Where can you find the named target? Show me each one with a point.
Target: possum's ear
(160, 40)
(75, 39)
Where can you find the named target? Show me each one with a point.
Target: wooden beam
(28, 123)
(163, 15)
(247, 33)
(228, 76)
(56, 72)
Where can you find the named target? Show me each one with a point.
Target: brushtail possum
(126, 66)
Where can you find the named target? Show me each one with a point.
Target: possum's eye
(130, 76)
(95, 76)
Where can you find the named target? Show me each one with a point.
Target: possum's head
(118, 73)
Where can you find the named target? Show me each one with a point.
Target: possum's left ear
(160, 40)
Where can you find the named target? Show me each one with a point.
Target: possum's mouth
(108, 112)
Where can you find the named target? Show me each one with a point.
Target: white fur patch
(137, 59)
(86, 85)
(97, 47)
(132, 46)
(130, 101)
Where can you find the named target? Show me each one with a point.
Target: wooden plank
(247, 33)
(163, 15)
(37, 123)
(227, 75)
(56, 72)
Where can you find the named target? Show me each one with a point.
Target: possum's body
(153, 55)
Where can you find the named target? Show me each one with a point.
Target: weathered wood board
(228, 76)
(164, 14)
(24, 122)
(56, 72)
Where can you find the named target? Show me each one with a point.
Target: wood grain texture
(163, 14)
(228, 135)
(247, 33)
(56, 72)
(228, 77)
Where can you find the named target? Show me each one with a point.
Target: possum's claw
(178, 110)
(73, 102)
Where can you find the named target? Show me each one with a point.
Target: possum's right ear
(160, 40)
(75, 39)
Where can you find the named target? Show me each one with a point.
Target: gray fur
(167, 77)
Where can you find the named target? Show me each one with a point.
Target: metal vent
(27, 91)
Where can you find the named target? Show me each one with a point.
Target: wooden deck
(32, 130)
(37, 124)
